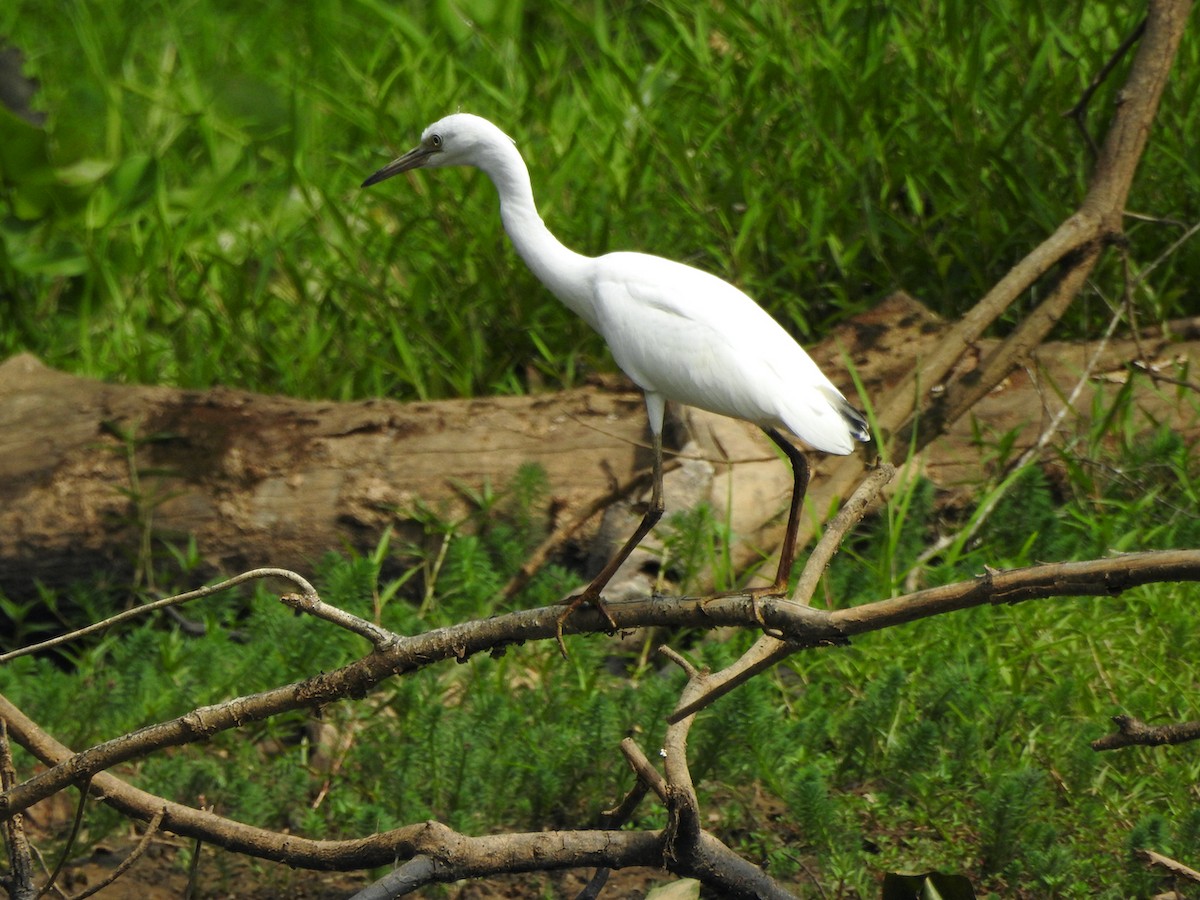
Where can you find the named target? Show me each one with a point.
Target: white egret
(681, 334)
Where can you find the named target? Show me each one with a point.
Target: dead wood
(257, 479)
(1132, 732)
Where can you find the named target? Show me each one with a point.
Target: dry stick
(128, 861)
(642, 767)
(768, 649)
(687, 848)
(19, 882)
(683, 808)
(1165, 862)
(307, 601)
(471, 856)
(65, 853)
(1131, 732)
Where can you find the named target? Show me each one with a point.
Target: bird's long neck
(561, 269)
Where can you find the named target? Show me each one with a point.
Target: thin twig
(642, 767)
(193, 870)
(142, 845)
(206, 591)
(1078, 112)
(65, 853)
(307, 601)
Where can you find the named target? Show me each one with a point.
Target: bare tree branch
(306, 601)
(1078, 112)
(127, 863)
(1134, 732)
(1165, 862)
(19, 880)
(689, 851)
(1076, 243)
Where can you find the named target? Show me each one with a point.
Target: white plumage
(680, 333)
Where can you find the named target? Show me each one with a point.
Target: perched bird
(681, 334)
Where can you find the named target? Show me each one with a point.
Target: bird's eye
(435, 140)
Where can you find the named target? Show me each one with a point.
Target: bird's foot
(756, 595)
(572, 604)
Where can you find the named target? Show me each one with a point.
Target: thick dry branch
(1134, 732)
(475, 855)
(436, 852)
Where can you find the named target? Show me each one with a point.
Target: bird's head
(458, 140)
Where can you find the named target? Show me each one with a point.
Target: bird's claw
(572, 604)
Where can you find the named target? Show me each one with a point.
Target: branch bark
(1134, 732)
(19, 881)
(1178, 869)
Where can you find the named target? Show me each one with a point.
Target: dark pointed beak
(413, 159)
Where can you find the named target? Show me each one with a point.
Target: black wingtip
(859, 428)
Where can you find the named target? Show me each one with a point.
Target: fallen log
(93, 475)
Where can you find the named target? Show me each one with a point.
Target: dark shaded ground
(162, 873)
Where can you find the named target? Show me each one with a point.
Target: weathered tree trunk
(92, 475)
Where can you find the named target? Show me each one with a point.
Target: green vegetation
(191, 215)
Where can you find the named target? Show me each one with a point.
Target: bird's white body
(688, 336)
(679, 333)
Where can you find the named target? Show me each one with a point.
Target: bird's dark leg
(591, 594)
(787, 553)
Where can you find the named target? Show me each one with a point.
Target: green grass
(191, 214)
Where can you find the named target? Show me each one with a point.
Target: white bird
(679, 333)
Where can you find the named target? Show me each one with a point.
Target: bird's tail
(855, 419)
